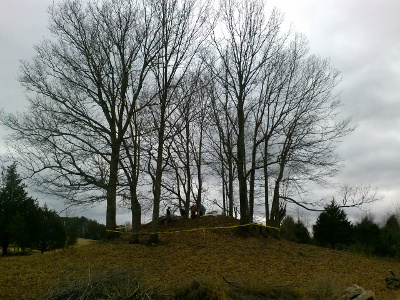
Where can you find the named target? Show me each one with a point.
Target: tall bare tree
(223, 143)
(248, 42)
(185, 158)
(308, 127)
(182, 29)
(283, 99)
(85, 83)
(131, 166)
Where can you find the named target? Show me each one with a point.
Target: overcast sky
(362, 40)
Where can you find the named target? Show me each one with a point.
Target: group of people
(196, 212)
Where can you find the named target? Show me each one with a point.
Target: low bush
(107, 285)
(324, 288)
(204, 289)
(199, 290)
(121, 285)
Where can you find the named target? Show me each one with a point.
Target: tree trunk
(180, 200)
(230, 185)
(266, 182)
(199, 177)
(136, 217)
(275, 208)
(241, 155)
(157, 182)
(223, 182)
(5, 242)
(111, 213)
(252, 180)
(275, 205)
(188, 172)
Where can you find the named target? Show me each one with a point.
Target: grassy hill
(217, 260)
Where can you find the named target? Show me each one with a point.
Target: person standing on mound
(168, 219)
(193, 211)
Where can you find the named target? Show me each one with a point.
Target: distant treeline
(333, 229)
(82, 227)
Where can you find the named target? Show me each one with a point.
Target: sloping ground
(216, 255)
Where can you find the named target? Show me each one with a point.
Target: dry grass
(218, 257)
(83, 242)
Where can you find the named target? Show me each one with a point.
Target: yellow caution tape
(122, 227)
(196, 229)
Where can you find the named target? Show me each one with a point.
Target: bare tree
(351, 196)
(130, 165)
(223, 143)
(283, 99)
(85, 82)
(178, 177)
(248, 42)
(181, 32)
(309, 128)
(185, 156)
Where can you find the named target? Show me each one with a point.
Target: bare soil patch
(216, 255)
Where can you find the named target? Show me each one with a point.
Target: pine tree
(295, 231)
(15, 206)
(368, 235)
(332, 227)
(390, 237)
(301, 232)
(50, 233)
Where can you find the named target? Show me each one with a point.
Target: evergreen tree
(332, 227)
(295, 231)
(22, 221)
(18, 231)
(287, 229)
(390, 238)
(51, 233)
(15, 206)
(301, 233)
(368, 235)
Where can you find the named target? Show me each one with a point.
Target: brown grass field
(217, 257)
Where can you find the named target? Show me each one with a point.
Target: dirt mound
(178, 223)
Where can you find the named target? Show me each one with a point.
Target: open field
(215, 256)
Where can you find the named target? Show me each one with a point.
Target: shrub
(324, 288)
(72, 238)
(198, 290)
(84, 228)
(107, 285)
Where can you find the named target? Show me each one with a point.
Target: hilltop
(218, 258)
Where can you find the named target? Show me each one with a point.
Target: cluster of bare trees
(139, 97)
